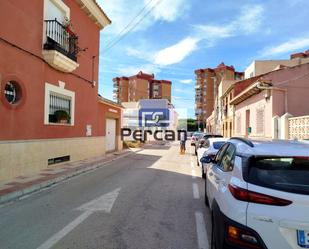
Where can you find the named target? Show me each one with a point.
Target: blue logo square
(154, 117)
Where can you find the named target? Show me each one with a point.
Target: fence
(299, 127)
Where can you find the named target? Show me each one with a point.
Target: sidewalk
(24, 185)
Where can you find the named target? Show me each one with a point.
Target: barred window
(260, 120)
(59, 104)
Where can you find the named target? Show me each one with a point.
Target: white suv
(208, 147)
(258, 193)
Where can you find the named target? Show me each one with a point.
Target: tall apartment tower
(141, 86)
(206, 89)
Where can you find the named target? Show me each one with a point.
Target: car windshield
(218, 145)
(198, 135)
(288, 174)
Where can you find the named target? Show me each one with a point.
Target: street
(150, 199)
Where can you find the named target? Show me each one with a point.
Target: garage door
(110, 134)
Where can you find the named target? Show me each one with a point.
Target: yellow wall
(30, 156)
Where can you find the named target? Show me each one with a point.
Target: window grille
(260, 116)
(58, 102)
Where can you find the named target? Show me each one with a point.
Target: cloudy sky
(172, 38)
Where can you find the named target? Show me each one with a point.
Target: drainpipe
(263, 87)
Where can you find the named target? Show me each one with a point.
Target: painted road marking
(103, 203)
(193, 174)
(202, 238)
(196, 193)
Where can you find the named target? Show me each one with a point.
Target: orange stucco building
(141, 86)
(49, 103)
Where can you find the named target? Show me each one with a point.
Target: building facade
(259, 67)
(141, 86)
(50, 111)
(207, 97)
(264, 107)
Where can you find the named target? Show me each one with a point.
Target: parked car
(195, 137)
(258, 193)
(208, 147)
(202, 139)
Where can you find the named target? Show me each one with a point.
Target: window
(228, 159)
(260, 120)
(218, 145)
(206, 144)
(59, 104)
(220, 153)
(12, 92)
(280, 173)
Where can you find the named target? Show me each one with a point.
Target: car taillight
(242, 237)
(254, 197)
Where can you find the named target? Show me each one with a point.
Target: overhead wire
(133, 27)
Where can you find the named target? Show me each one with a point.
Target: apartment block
(207, 85)
(141, 86)
(259, 67)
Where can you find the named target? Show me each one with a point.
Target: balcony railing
(58, 38)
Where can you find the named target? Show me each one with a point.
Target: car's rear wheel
(205, 196)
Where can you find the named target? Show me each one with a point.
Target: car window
(285, 174)
(220, 154)
(218, 145)
(206, 144)
(227, 161)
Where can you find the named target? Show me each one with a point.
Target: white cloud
(176, 53)
(249, 20)
(169, 10)
(132, 70)
(287, 47)
(181, 90)
(138, 53)
(121, 12)
(213, 32)
(187, 81)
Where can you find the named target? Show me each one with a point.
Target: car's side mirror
(201, 143)
(206, 159)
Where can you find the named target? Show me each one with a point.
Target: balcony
(60, 47)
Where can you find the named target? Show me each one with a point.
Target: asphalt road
(150, 199)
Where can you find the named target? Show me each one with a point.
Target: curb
(43, 185)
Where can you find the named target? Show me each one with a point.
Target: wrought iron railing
(59, 38)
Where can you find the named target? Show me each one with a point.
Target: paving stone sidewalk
(24, 185)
